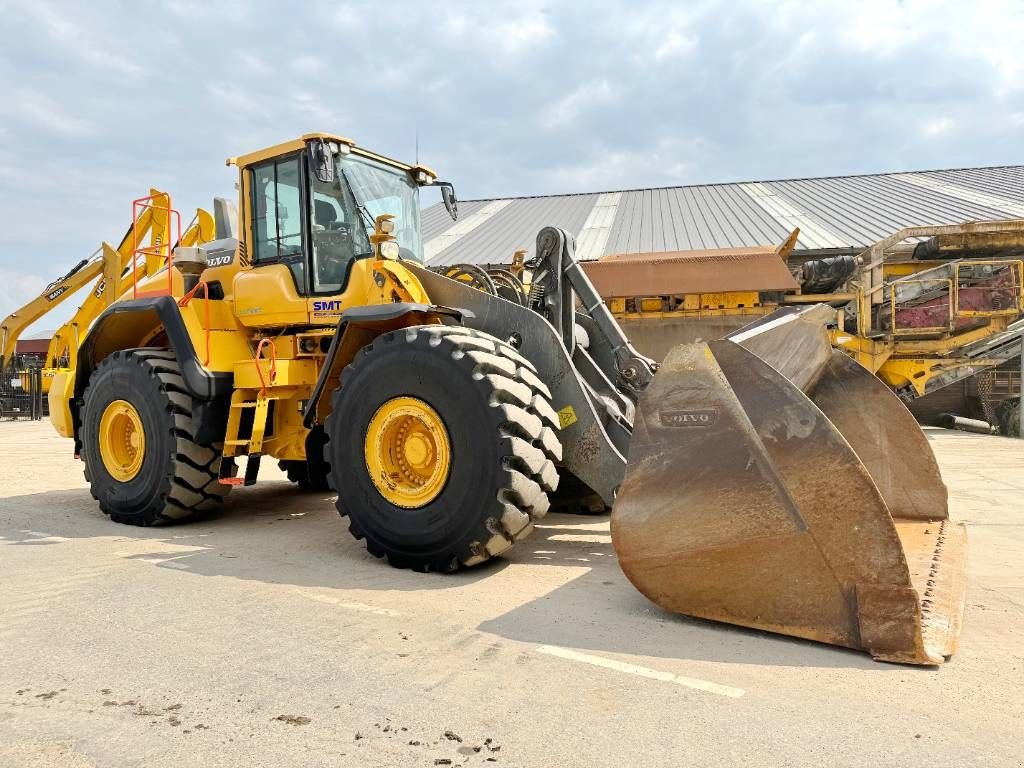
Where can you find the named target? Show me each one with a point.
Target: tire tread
(523, 419)
(194, 468)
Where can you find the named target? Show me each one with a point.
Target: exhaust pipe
(952, 421)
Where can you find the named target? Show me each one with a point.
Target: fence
(21, 394)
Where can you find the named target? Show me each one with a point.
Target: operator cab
(311, 205)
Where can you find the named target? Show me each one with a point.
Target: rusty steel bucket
(775, 483)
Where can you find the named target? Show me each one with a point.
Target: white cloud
(858, 26)
(317, 115)
(660, 35)
(253, 64)
(188, 9)
(42, 113)
(668, 160)
(77, 41)
(518, 35)
(937, 127)
(564, 112)
(307, 65)
(230, 97)
(505, 31)
(347, 17)
(883, 30)
(17, 287)
(222, 11)
(676, 43)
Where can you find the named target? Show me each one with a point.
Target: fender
(357, 328)
(127, 325)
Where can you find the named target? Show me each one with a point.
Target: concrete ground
(266, 636)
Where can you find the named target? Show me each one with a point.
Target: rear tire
(501, 429)
(178, 476)
(574, 497)
(312, 473)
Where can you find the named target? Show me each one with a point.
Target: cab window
(338, 235)
(277, 215)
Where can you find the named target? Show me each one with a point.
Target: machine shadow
(310, 547)
(590, 612)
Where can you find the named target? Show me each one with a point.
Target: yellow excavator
(771, 482)
(107, 271)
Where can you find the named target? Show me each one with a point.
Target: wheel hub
(122, 440)
(408, 453)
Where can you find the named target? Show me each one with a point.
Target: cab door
(271, 293)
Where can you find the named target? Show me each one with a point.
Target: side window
(332, 244)
(277, 215)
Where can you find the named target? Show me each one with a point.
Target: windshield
(343, 211)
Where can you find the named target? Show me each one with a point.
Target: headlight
(389, 250)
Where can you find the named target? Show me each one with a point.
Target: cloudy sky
(102, 100)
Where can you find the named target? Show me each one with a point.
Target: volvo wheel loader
(770, 482)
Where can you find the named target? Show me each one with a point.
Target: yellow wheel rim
(407, 452)
(122, 440)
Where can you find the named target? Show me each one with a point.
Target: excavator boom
(52, 296)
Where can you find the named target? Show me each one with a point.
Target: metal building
(840, 214)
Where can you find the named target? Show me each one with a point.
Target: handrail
(161, 250)
(273, 363)
(184, 301)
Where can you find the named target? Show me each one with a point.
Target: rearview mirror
(451, 203)
(321, 160)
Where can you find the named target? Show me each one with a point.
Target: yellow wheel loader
(769, 484)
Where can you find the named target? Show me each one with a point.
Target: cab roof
(294, 145)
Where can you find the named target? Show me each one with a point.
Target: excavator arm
(53, 295)
(111, 270)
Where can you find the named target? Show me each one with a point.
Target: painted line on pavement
(44, 535)
(586, 538)
(633, 669)
(351, 606)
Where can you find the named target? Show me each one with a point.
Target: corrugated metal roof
(435, 219)
(1008, 181)
(834, 213)
(514, 226)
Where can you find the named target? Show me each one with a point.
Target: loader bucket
(774, 483)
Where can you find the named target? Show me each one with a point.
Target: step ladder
(258, 403)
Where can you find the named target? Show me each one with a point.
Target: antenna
(417, 145)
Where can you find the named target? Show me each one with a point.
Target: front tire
(478, 411)
(141, 458)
